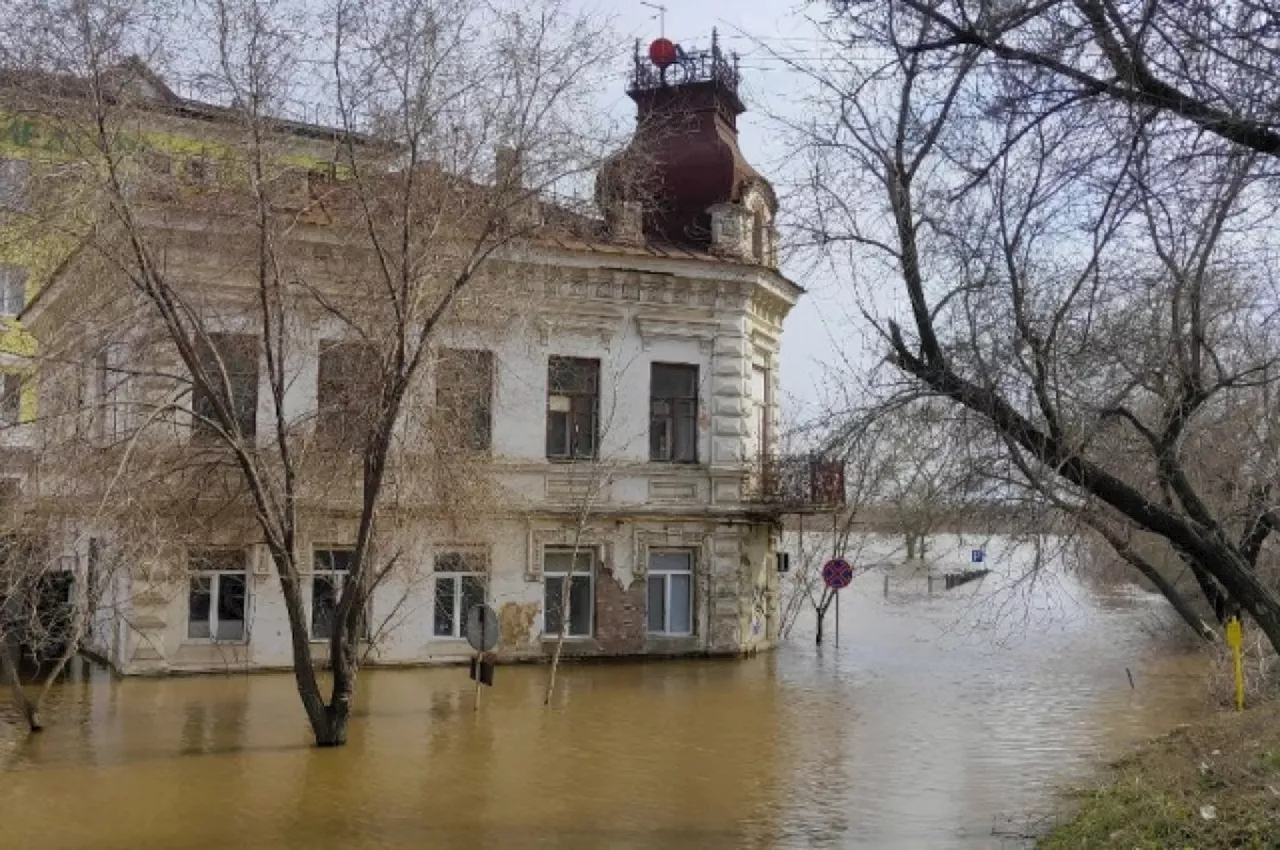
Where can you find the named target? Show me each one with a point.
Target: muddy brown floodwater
(941, 721)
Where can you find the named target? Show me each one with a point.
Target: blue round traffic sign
(837, 573)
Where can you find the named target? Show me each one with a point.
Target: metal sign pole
(482, 630)
(837, 619)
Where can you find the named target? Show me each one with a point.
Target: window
(13, 289)
(673, 413)
(10, 399)
(217, 594)
(671, 593)
(560, 570)
(347, 385)
(330, 569)
(573, 407)
(227, 360)
(759, 437)
(460, 584)
(464, 397)
(103, 410)
(13, 184)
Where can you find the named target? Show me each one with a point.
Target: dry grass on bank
(1208, 786)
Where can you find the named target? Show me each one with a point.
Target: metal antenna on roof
(661, 16)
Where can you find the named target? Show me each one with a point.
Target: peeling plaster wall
(734, 588)
(628, 320)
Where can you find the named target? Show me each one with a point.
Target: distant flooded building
(621, 415)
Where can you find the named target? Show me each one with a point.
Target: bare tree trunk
(566, 610)
(9, 669)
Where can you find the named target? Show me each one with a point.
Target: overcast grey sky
(821, 324)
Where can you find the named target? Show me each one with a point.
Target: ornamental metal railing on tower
(669, 64)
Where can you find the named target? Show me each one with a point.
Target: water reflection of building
(668, 307)
(678, 755)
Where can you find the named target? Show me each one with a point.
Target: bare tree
(416, 213)
(594, 454)
(1076, 200)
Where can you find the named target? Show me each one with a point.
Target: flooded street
(937, 718)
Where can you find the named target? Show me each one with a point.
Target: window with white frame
(568, 592)
(330, 569)
(461, 582)
(670, 592)
(217, 595)
(13, 289)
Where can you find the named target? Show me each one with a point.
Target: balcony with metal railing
(805, 483)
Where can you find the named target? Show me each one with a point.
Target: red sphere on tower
(662, 52)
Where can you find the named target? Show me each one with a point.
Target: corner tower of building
(684, 173)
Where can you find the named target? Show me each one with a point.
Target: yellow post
(1235, 640)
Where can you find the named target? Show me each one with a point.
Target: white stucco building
(622, 409)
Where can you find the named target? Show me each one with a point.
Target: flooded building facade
(620, 401)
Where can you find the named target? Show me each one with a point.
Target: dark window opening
(347, 382)
(227, 361)
(573, 407)
(464, 399)
(673, 413)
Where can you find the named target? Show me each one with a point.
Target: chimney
(731, 231)
(522, 209)
(507, 173)
(625, 221)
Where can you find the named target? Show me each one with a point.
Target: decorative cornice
(698, 329)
